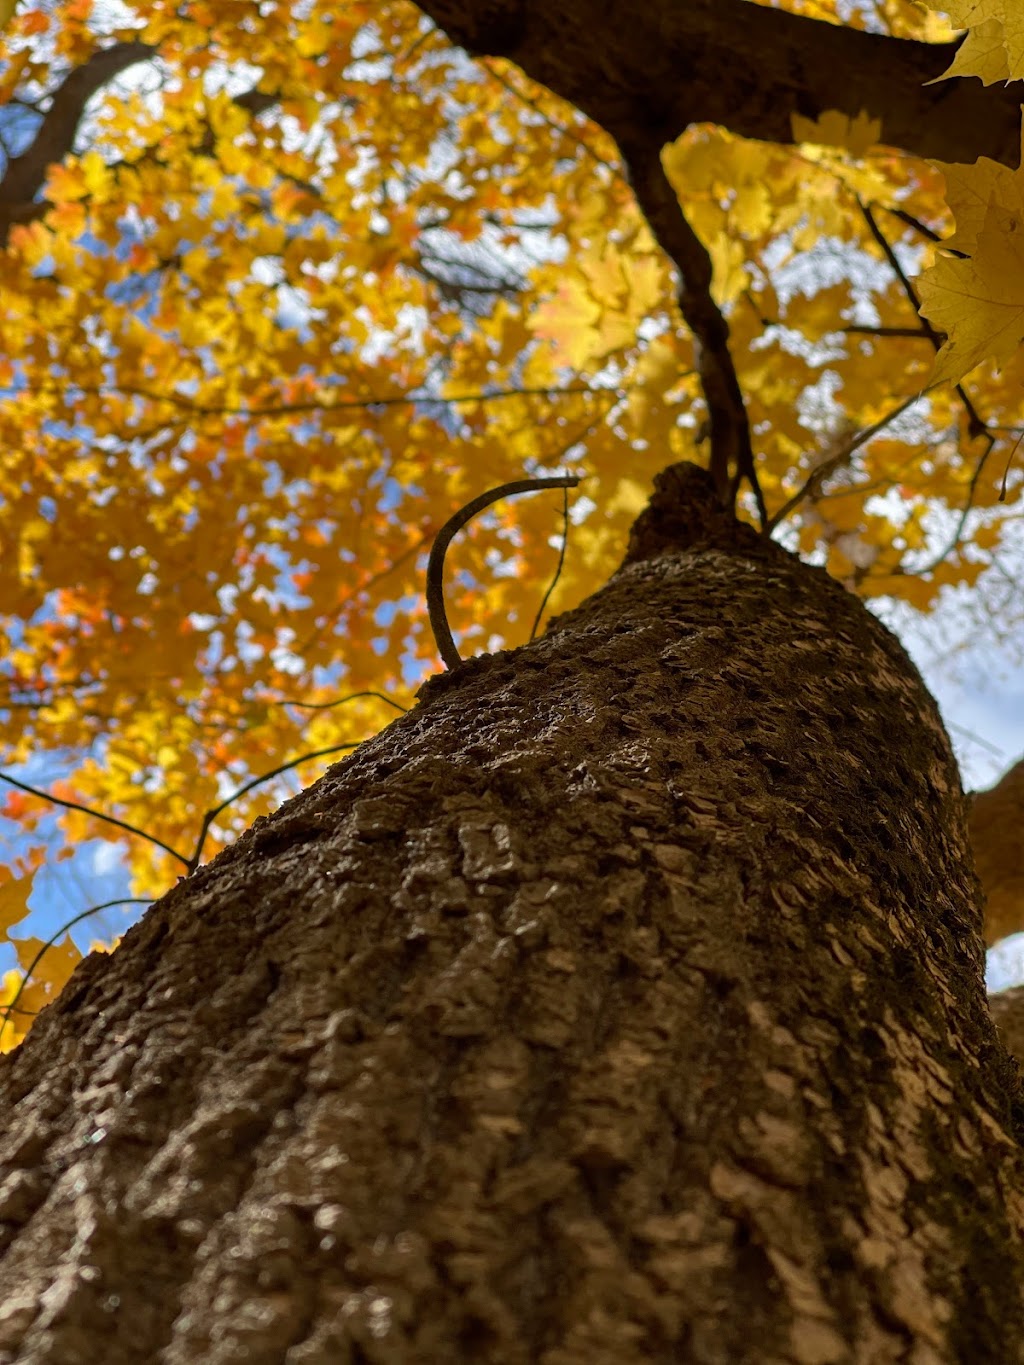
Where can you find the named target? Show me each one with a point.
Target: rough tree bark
(996, 823)
(622, 1003)
(648, 71)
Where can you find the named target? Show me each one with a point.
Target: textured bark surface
(647, 71)
(1008, 1012)
(997, 838)
(622, 1003)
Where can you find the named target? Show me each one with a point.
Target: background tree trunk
(621, 1003)
(997, 841)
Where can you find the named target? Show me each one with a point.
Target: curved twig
(329, 705)
(835, 461)
(561, 564)
(96, 814)
(448, 532)
(211, 815)
(11, 1007)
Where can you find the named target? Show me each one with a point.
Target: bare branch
(211, 815)
(96, 814)
(731, 455)
(55, 136)
(435, 568)
(838, 460)
(975, 422)
(864, 331)
(9, 1010)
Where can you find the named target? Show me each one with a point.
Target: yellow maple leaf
(994, 47)
(66, 182)
(983, 54)
(730, 274)
(96, 175)
(971, 190)
(14, 894)
(50, 964)
(833, 129)
(569, 319)
(978, 301)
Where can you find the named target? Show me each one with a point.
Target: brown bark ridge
(1008, 1012)
(650, 70)
(997, 838)
(621, 1003)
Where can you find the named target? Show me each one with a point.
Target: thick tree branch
(663, 65)
(732, 458)
(55, 135)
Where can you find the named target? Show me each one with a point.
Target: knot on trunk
(685, 512)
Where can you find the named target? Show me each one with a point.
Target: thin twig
(975, 423)
(922, 228)
(834, 462)
(312, 404)
(864, 331)
(11, 1007)
(961, 522)
(332, 617)
(212, 814)
(328, 705)
(558, 569)
(977, 739)
(435, 565)
(1006, 471)
(96, 814)
(553, 124)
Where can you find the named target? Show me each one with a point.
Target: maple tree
(625, 997)
(282, 289)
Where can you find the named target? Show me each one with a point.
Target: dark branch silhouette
(663, 65)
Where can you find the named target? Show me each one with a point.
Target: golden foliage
(310, 281)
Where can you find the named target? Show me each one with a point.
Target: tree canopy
(284, 286)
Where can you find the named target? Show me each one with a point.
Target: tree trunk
(622, 1003)
(996, 822)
